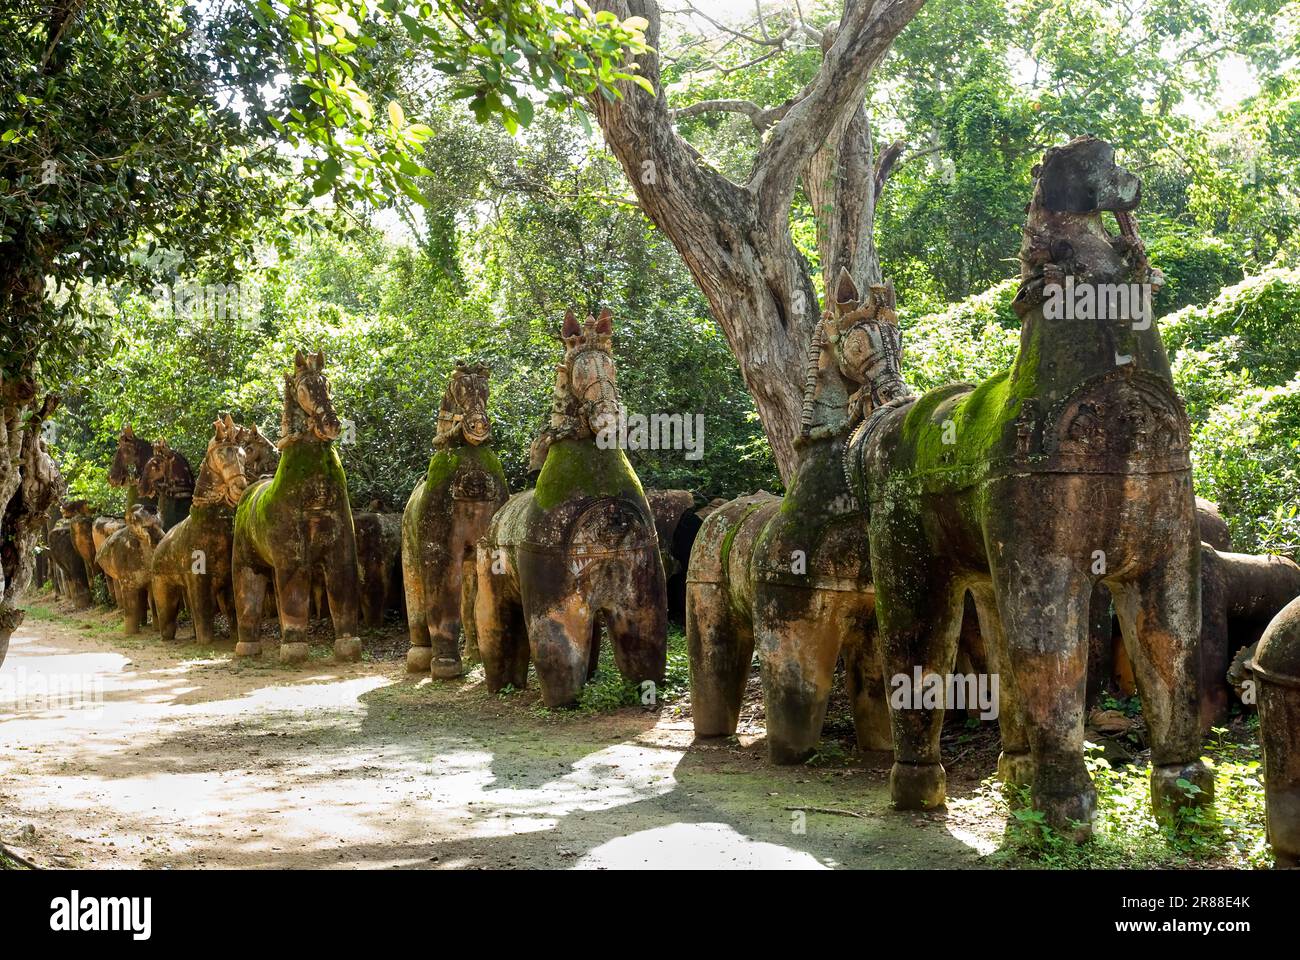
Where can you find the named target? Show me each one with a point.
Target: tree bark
(29, 485)
(735, 238)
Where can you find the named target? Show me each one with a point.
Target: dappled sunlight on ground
(193, 759)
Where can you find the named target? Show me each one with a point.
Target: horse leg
(1015, 763)
(420, 653)
(1044, 599)
(342, 587)
(468, 594)
(443, 618)
(638, 621)
(293, 589)
(797, 631)
(593, 658)
(250, 596)
(559, 638)
(865, 681)
(134, 607)
(920, 612)
(168, 598)
(721, 649)
(499, 626)
(202, 604)
(1160, 617)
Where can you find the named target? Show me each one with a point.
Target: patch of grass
(608, 691)
(1230, 833)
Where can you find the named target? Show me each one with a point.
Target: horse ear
(605, 322)
(846, 291)
(299, 361)
(230, 425)
(570, 327)
(217, 429)
(320, 360)
(128, 432)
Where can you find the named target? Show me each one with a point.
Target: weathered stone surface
(578, 552)
(192, 563)
(299, 524)
(1071, 468)
(127, 558)
(445, 516)
(1277, 673)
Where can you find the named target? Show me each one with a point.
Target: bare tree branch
(861, 41)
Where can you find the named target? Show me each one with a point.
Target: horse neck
(308, 456)
(293, 418)
(819, 477)
(1082, 341)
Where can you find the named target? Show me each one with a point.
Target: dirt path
(192, 759)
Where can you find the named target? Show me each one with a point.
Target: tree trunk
(735, 238)
(29, 484)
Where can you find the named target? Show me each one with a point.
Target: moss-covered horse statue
(193, 560)
(578, 551)
(446, 515)
(793, 576)
(1069, 469)
(298, 525)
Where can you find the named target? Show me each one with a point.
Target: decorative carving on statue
(585, 395)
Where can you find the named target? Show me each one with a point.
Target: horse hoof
(293, 652)
(1168, 795)
(917, 786)
(252, 648)
(444, 668)
(1015, 769)
(418, 659)
(347, 649)
(1070, 815)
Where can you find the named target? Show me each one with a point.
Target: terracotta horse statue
(127, 558)
(1069, 469)
(447, 513)
(128, 467)
(576, 552)
(169, 479)
(298, 525)
(261, 457)
(193, 560)
(793, 575)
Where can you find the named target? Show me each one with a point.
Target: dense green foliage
(515, 228)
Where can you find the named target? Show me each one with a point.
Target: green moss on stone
(980, 419)
(580, 468)
(445, 463)
(730, 536)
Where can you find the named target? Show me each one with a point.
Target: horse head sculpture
(308, 410)
(463, 416)
(222, 477)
